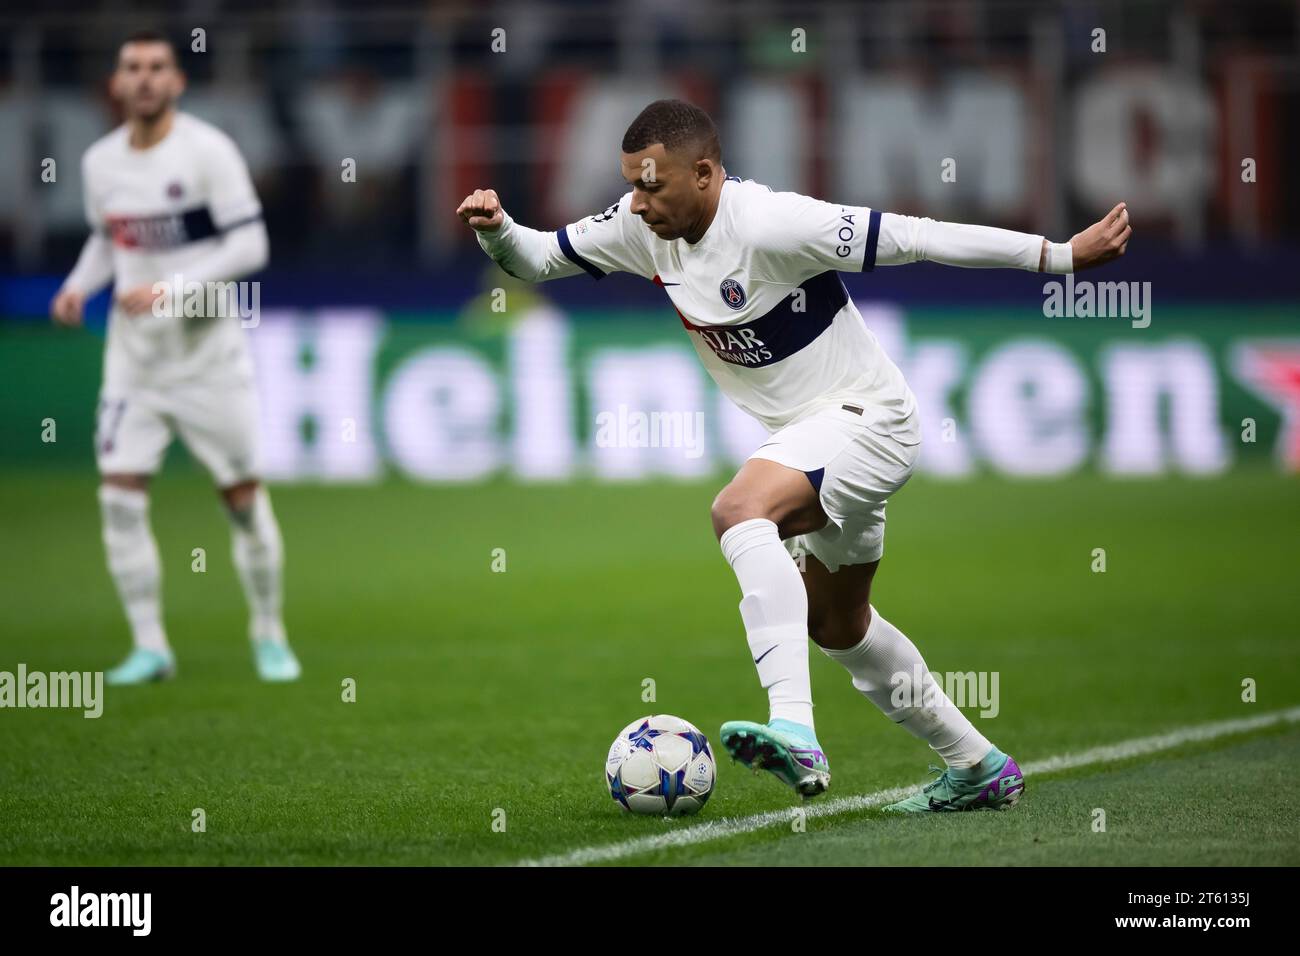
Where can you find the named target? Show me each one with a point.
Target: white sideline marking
(721, 829)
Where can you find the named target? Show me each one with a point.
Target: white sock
(774, 607)
(133, 561)
(885, 660)
(259, 558)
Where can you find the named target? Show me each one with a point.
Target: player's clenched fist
(1102, 241)
(67, 307)
(482, 210)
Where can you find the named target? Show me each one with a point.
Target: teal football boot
(995, 783)
(788, 750)
(141, 667)
(276, 662)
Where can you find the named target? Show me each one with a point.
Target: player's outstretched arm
(909, 239)
(93, 271)
(798, 236)
(528, 254)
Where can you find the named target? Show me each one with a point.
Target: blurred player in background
(169, 198)
(752, 274)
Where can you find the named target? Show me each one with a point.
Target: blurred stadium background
(381, 284)
(409, 428)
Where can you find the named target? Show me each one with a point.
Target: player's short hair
(678, 125)
(152, 36)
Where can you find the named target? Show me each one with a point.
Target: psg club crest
(732, 293)
(175, 190)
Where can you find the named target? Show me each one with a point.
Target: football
(660, 766)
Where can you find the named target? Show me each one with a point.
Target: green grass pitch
(478, 691)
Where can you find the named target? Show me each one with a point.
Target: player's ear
(181, 81)
(704, 173)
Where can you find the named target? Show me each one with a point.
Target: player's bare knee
(129, 482)
(732, 506)
(239, 497)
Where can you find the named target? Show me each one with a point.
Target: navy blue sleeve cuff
(873, 237)
(571, 254)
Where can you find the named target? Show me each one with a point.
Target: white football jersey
(164, 208)
(761, 299)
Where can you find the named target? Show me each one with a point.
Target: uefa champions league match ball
(660, 766)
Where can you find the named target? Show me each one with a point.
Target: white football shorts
(855, 469)
(216, 422)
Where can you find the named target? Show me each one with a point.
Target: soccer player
(170, 201)
(753, 276)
